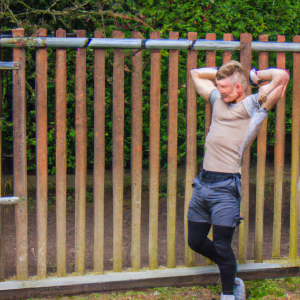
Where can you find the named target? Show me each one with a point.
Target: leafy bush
(231, 16)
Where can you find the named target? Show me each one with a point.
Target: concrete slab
(135, 280)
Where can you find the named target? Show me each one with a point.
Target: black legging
(219, 250)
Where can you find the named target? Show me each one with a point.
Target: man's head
(231, 82)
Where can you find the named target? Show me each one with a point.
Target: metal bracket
(9, 65)
(11, 200)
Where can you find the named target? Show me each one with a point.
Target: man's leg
(219, 250)
(222, 239)
(198, 240)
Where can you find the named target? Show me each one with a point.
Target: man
(236, 120)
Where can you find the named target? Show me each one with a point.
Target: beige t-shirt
(228, 129)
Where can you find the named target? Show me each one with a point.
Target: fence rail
(180, 44)
(191, 45)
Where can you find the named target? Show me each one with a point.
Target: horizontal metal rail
(181, 44)
(9, 65)
(11, 200)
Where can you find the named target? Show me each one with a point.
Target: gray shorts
(216, 203)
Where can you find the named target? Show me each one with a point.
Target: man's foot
(239, 289)
(227, 297)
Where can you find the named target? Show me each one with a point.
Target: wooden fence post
(136, 153)
(118, 153)
(81, 156)
(154, 163)
(227, 54)
(191, 143)
(261, 170)
(61, 155)
(41, 156)
(279, 160)
(99, 155)
(295, 152)
(20, 159)
(172, 151)
(245, 58)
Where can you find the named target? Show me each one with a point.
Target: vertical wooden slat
(295, 151)
(210, 62)
(245, 58)
(261, 168)
(172, 151)
(154, 152)
(118, 153)
(41, 156)
(1, 209)
(191, 143)
(81, 156)
(227, 54)
(136, 153)
(61, 155)
(99, 155)
(278, 161)
(20, 159)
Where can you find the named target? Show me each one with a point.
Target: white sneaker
(227, 297)
(239, 289)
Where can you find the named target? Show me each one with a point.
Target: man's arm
(270, 93)
(204, 79)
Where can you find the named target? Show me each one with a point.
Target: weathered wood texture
(118, 154)
(172, 152)
(227, 54)
(261, 167)
(81, 156)
(99, 155)
(136, 153)
(245, 58)
(295, 152)
(41, 156)
(279, 161)
(191, 143)
(61, 155)
(20, 159)
(154, 162)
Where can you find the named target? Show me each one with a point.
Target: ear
(239, 89)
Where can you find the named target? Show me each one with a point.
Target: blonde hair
(234, 70)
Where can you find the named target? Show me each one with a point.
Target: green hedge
(271, 17)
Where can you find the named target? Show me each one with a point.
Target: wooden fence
(20, 169)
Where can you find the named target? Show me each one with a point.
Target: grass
(267, 289)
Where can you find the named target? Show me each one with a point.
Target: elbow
(283, 76)
(195, 73)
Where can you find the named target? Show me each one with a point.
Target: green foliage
(264, 287)
(271, 17)
(255, 289)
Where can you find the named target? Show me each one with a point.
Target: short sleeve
(251, 104)
(214, 95)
